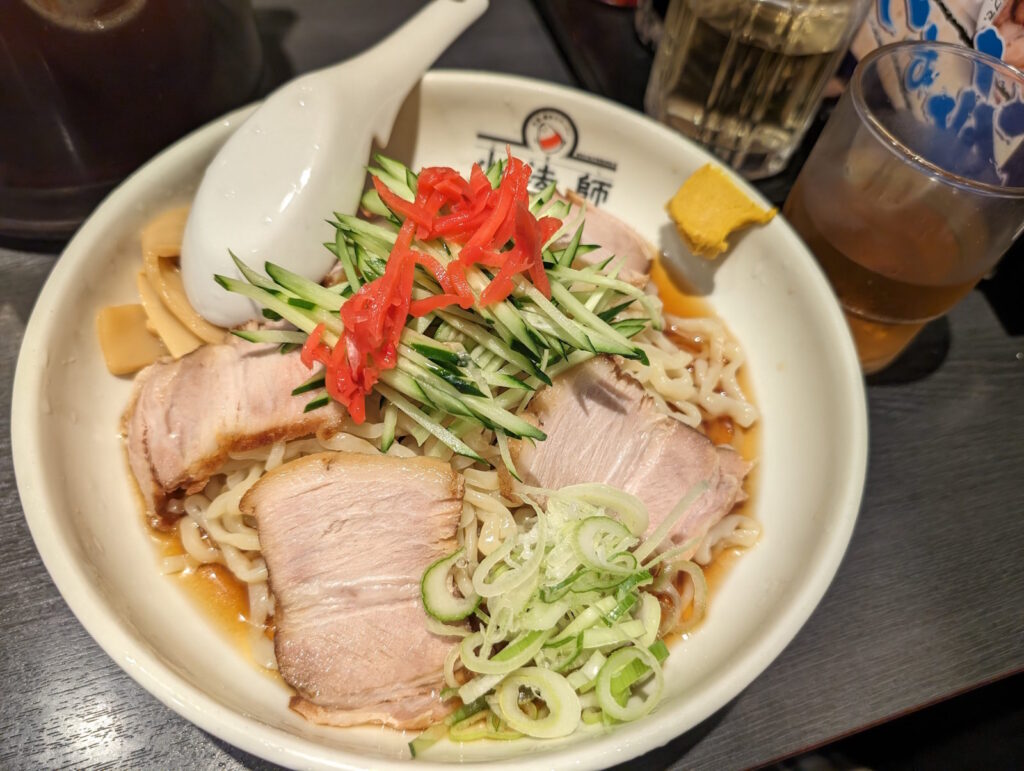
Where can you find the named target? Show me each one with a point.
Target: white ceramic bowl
(86, 522)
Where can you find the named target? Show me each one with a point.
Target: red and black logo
(552, 132)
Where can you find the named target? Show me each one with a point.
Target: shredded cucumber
(304, 289)
(320, 401)
(279, 336)
(438, 599)
(539, 200)
(511, 347)
(313, 384)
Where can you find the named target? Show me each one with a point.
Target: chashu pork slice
(187, 415)
(346, 539)
(613, 237)
(602, 426)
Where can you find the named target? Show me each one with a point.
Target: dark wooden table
(928, 603)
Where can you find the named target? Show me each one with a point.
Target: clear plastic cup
(914, 189)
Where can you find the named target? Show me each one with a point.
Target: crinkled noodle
(695, 383)
(694, 386)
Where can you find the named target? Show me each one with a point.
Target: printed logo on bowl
(550, 142)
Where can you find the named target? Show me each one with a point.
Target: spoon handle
(399, 61)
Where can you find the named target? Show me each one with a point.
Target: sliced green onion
(629, 675)
(587, 618)
(511, 657)
(630, 509)
(583, 679)
(478, 686)
(601, 636)
(541, 616)
(636, 705)
(534, 682)
(621, 608)
(602, 543)
(510, 579)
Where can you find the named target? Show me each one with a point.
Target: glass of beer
(915, 188)
(745, 78)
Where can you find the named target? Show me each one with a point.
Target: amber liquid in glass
(893, 269)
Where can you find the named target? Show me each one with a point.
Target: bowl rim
(275, 744)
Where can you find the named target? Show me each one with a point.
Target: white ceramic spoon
(301, 156)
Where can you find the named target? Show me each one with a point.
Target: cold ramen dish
(469, 482)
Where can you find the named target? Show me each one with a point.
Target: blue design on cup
(885, 14)
(921, 71)
(968, 102)
(1011, 119)
(939, 108)
(967, 145)
(963, 138)
(918, 12)
(980, 163)
(988, 42)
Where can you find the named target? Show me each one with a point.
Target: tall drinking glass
(915, 188)
(745, 77)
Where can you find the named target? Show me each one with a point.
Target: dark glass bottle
(90, 89)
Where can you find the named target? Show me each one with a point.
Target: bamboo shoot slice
(161, 248)
(175, 335)
(162, 235)
(126, 343)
